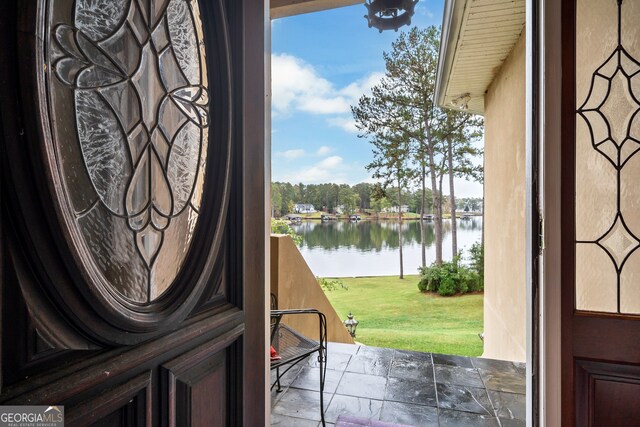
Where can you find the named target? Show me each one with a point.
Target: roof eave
(451, 25)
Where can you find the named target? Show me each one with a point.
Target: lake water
(370, 248)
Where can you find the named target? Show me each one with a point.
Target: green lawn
(393, 313)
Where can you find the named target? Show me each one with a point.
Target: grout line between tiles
(435, 386)
(486, 390)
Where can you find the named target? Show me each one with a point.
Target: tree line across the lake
(357, 198)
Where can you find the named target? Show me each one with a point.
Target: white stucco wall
(504, 219)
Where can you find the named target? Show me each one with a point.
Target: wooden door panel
(73, 331)
(190, 380)
(599, 337)
(607, 394)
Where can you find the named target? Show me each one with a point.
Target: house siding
(504, 219)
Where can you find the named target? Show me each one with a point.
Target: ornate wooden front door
(601, 220)
(132, 151)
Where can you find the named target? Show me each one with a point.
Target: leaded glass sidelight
(607, 160)
(129, 103)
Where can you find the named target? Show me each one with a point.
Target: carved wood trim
(134, 396)
(63, 383)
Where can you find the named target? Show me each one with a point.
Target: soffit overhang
(477, 36)
(284, 8)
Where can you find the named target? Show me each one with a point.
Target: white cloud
(346, 123)
(331, 162)
(323, 151)
(297, 85)
(293, 81)
(324, 105)
(362, 87)
(330, 169)
(291, 154)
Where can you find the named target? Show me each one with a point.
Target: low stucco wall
(296, 287)
(504, 214)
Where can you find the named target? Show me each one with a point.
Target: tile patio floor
(404, 387)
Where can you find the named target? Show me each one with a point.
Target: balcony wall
(296, 287)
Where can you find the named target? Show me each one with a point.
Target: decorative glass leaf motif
(135, 68)
(103, 144)
(183, 165)
(183, 38)
(99, 18)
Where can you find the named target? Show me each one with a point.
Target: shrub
(469, 280)
(280, 226)
(331, 284)
(477, 262)
(449, 278)
(423, 284)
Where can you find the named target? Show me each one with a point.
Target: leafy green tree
(379, 200)
(348, 199)
(415, 201)
(301, 195)
(364, 193)
(276, 200)
(290, 206)
(288, 196)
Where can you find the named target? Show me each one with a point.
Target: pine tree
(410, 134)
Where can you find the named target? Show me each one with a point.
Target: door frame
(256, 174)
(549, 102)
(543, 203)
(532, 211)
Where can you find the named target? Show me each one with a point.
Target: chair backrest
(274, 302)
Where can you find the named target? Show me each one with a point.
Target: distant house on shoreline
(394, 209)
(304, 208)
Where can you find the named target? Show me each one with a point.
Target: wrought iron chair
(293, 347)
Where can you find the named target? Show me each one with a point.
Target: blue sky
(321, 64)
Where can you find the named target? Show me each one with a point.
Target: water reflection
(370, 248)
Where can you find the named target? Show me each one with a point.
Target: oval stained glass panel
(128, 91)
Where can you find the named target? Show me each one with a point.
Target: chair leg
(323, 367)
(279, 389)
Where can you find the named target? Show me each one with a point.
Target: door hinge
(540, 234)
